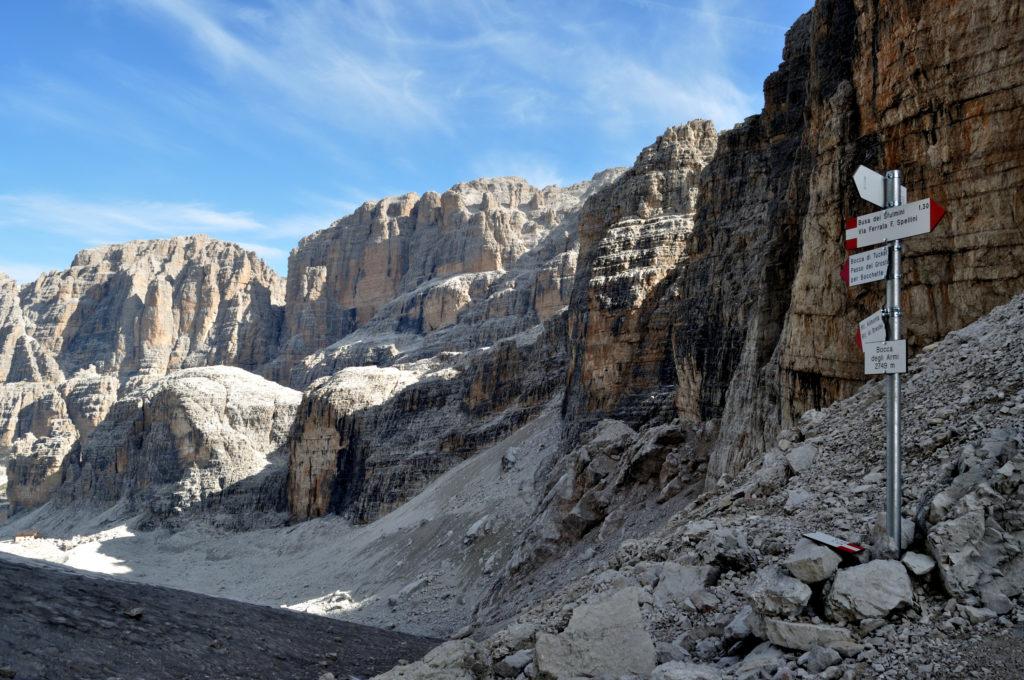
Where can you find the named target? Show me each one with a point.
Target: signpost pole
(894, 483)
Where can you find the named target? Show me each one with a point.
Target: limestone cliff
(187, 441)
(497, 254)
(932, 88)
(633, 235)
(148, 307)
(368, 438)
(21, 357)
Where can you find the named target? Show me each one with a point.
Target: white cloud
(264, 251)
(328, 61)
(94, 222)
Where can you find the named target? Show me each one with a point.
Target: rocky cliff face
(931, 88)
(367, 439)
(22, 359)
(633, 236)
(148, 307)
(497, 255)
(35, 434)
(461, 345)
(185, 442)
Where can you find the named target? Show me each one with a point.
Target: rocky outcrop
(35, 435)
(22, 359)
(633, 236)
(184, 441)
(484, 260)
(368, 438)
(149, 307)
(931, 88)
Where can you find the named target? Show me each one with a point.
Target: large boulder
(806, 636)
(607, 637)
(868, 591)
(775, 594)
(678, 583)
(454, 660)
(811, 562)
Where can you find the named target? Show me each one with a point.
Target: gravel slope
(60, 624)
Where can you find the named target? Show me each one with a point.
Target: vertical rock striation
(932, 88)
(21, 357)
(149, 307)
(633, 235)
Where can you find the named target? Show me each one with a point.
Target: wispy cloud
(94, 222)
(377, 66)
(328, 61)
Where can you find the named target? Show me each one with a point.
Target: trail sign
(866, 267)
(871, 329)
(885, 357)
(891, 224)
(871, 186)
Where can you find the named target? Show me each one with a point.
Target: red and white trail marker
(833, 542)
(866, 267)
(871, 186)
(871, 330)
(902, 221)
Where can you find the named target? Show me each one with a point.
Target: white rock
(797, 498)
(869, 590)
(804, 636)
(978, 615)
(607, 637)
(802, 457)
(513, 664)
(775, 594)
(678, 583)
(812, 563)
(917, 564)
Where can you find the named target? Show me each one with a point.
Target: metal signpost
(886, 352)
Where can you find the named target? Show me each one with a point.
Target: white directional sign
(871, 186)
(871, 330)
(902, 221)
(866, 267)
(885, 357)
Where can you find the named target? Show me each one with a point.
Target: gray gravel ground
(57, 624)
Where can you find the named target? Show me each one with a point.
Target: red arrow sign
(902, 221)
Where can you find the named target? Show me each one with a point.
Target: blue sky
(260, 122)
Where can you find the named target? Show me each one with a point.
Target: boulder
(775, 594)
(802, 457)
(954, 545)
(763, 661)
(818, 659)
(513, 664)
(870, 590)
(743, 625)
(727, 549)
(917, 564)
(453, 660)
(812, 563)
(679, 584)
(606, 637)
(805, 636)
